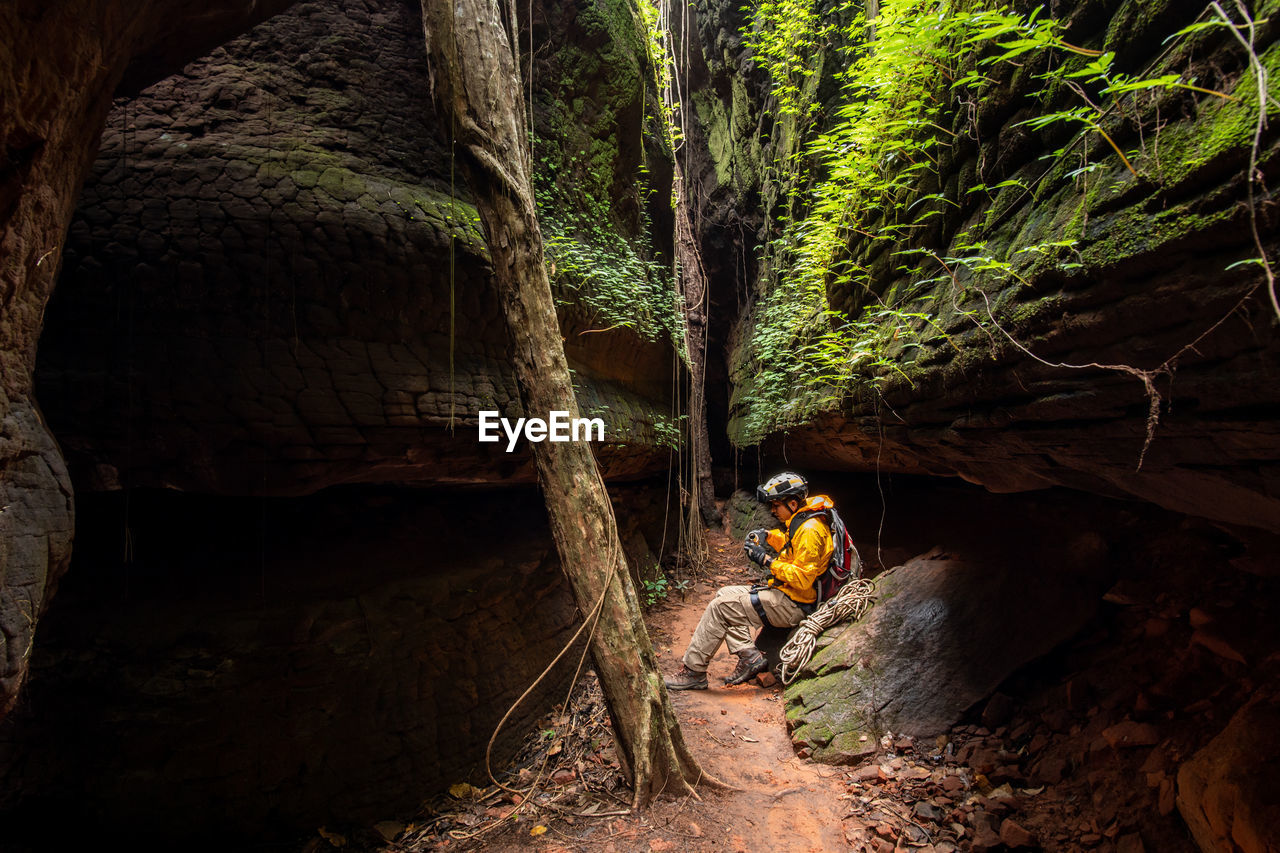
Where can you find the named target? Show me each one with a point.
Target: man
(803, 549)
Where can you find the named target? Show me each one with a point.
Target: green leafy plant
(598, 239)
(856, 195)
(655, 589)
(658, 586)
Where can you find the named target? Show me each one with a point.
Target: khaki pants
(731, 618)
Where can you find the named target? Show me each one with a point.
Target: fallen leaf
(333, 838)
(388, 829)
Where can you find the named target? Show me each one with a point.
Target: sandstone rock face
(747, 514)
(1052, 395)
(942, 635)
(1227, 791)
(731, 140)
(1028, 403)
(259, 666)
(58, 68)
(274, 283)
(36, 527)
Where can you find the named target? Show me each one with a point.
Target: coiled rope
(851, 603)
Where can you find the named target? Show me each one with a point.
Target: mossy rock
(747, 514)
(942, 635)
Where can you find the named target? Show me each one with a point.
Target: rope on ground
(851, 603)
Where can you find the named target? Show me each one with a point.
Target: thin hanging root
(1264, 97)
(1146, 377)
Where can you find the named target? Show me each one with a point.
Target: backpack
(845, 563)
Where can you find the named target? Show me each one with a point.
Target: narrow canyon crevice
(249, 324)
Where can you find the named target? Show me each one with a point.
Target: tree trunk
(477, 88)
(693, 287)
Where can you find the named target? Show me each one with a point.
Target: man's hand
(758, 554)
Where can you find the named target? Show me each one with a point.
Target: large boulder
(1227, 792)
(944, 632)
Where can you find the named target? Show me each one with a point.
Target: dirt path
(739, 735)
(575, 796)
(967, 791)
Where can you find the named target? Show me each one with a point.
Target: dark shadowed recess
(244, 668)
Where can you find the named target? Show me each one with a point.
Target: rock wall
(1052, 394)
(275, 283)
(58, 68)
(258, 668)
(732, 138)
(1226, 792)
(1154, 291)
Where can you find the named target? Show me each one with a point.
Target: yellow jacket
(806, 556)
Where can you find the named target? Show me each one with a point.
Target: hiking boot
(686, 679)
(750, 662)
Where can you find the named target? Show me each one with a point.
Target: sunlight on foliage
(859, 195)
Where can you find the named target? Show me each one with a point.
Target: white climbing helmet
(783, 486)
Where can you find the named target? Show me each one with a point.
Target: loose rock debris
(964, 791)
(932, 800)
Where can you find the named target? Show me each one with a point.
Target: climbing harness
(754, 595)
(852, 603)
